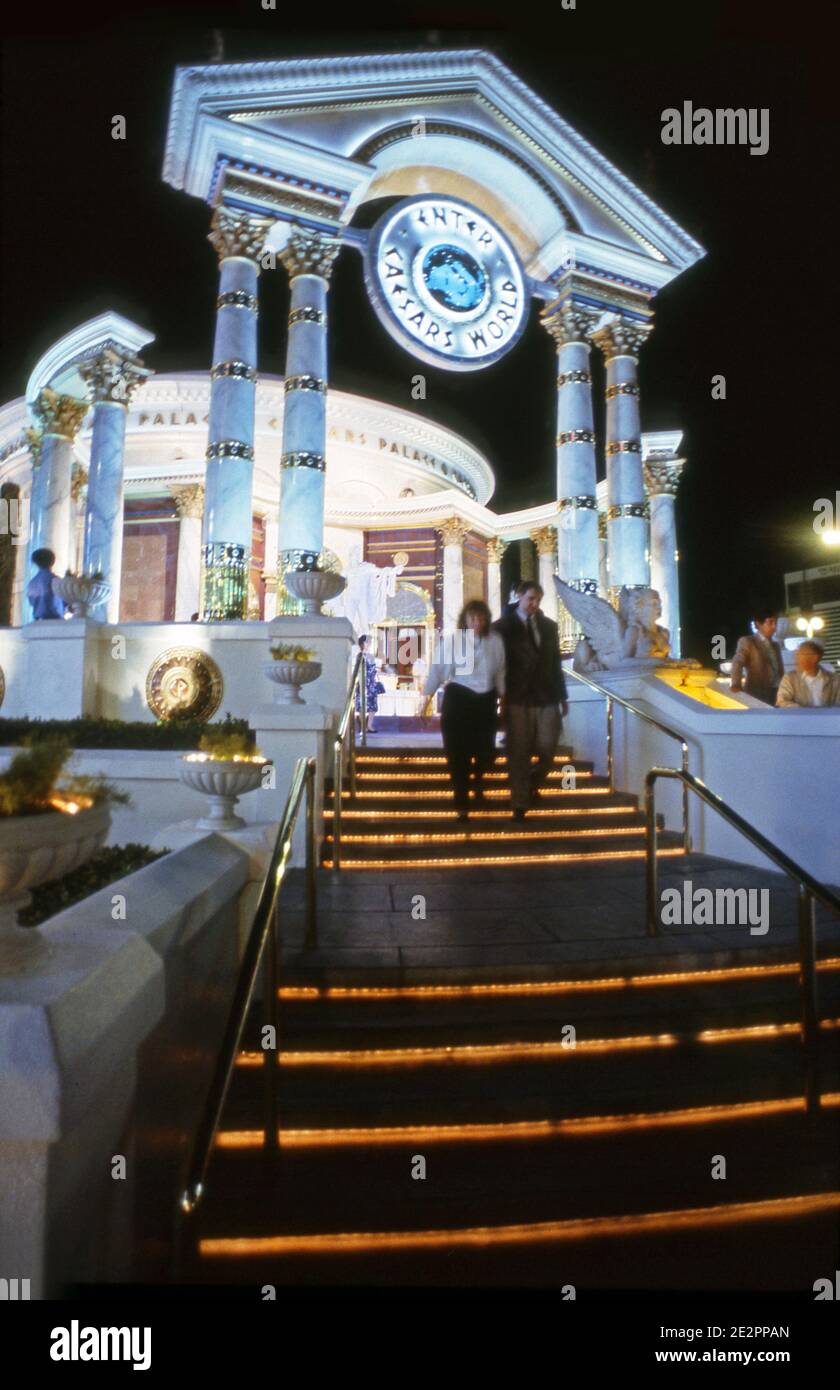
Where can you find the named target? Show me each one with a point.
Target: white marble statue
(368, 589)
(628, 638)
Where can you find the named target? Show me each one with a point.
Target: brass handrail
(611, 699)
(345, 727)
(809, 890)
(261, 947)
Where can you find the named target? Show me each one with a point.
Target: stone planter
(289, 676)
(81, 593)
(222, 781)
(36, 849)
(313, 587)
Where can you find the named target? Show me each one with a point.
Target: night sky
(88, 224)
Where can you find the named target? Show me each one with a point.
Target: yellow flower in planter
(289, 653)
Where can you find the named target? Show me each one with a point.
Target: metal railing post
(808, 1000)
(337, 780)
(310, 940)
(363, 701)
(686, 835)
(651, 865)
(610, 762)
(270, 1067)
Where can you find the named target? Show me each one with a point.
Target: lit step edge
(501, 1052)
(577, 1126)
(542, 1232)
(471, 861)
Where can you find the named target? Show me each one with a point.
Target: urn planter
(222, 781)
(313, 587)
(36, 849)
(81, 592)
(289, 676)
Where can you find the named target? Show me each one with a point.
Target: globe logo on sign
(454, 278)
(446, 282)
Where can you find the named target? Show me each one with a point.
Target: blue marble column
(238, 240)
(308, 256)
(571, 325)
(111, 378)
(59, 418)
(627, 523)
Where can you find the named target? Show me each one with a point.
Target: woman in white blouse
(471, 664)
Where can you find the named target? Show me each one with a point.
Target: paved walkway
(575, 920)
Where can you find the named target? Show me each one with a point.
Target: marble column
(452, 533)
(78, 497)
(495, 553)
(571, 325)
(189, 504)
(111, 378)
(59, 418)
(545, 540)
(620, 340)
(662, 478)
(238, 240)
(308, 256)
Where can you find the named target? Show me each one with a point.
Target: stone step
(476, 844)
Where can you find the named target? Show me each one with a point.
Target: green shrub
(181, 735)
(27, 785)
(227, 739)
(106, 866)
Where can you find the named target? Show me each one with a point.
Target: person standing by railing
(472, 668)
(758, 660)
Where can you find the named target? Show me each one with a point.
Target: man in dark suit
(758, 660)
(535, 694)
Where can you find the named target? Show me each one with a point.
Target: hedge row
(107, 866)
(177, 734)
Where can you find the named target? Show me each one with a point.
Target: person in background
(536, 694)
(45, 603)
(373, 685)
(757, 666)
(810, 685)
(472, 669)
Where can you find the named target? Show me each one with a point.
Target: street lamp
(810, 625)
(831, 536)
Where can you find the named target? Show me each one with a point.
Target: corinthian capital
(496, 549)
(59, 414)
(453, 531)
(568, 322)
(622, 337)
(189, 499)
(663, 476)
(309, 252)
(545, 540)
(238, 234)
(35, 440)
(111, 376)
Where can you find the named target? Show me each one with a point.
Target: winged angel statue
(628, 638)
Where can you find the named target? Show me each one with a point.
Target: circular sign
(445, 282)
(184, 682)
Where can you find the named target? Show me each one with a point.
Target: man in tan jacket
(758, 661)
(810, 685)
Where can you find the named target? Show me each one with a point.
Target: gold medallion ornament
(400, 559)
(184, 683)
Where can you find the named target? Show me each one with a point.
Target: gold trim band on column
(230, 449)
(577, 375)
(637, 509)
(241, 370)
(237, 299)
(576, 437)
(624, 446)
(622, 388)
(297, 560)
(306, 383)
(301, 458)
(583, 502)
(307, 313)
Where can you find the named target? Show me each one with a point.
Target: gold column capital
(622, 337)
(309, 251)
(662, 476)
(452, 531)
(112, 376)
(238, 234)
(568, 322)
(189, 499)
(545, 540)
(57, 414)
(496, 549)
